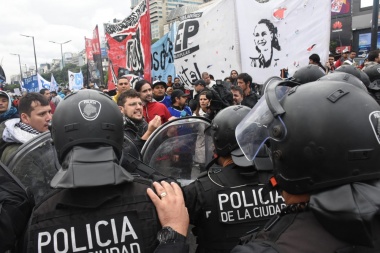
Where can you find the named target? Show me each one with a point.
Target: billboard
(340, 7)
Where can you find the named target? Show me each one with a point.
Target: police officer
(326, 164)
(98, 206)
(374, 76)
(228, 201)
(307, 74)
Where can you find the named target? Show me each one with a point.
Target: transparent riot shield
(130, 151)
(35, 164)
(179, 149)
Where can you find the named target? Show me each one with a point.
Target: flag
(31, 84)
(75, 80)
(53, 84)
(282, 34)
(42, 83)
(202, 46)
(129, 42)
(2, 75)
(94, 59)
(163, 56)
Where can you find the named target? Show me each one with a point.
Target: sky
(54, 20)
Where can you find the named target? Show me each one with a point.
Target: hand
(171, 118)
(154, 124)
(171, 208)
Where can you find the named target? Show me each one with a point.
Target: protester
(35, 117)
(7, 111)
(244, 81)
(47, 94)
(55, 98)
(158, 89)
(123, 85)
(179, 109)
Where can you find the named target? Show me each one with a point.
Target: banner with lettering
(207, 41)
(129, 43)
(75, 80)
(94, 59)
(282, 34)
(31, 84)
(42, 83)
(163, 56)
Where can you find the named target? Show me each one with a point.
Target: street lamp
(34, 48)
(19, 62)
(61, 50)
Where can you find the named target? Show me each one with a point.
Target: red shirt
(155, 108)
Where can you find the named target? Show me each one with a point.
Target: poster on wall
(340, 7)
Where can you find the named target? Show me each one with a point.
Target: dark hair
(245, 77)
(315, 58)
(211, 77)
(169, 75)
(373, 54)
(331, 55)
(208, 96)
(25, 104)
(53, 92)
(140, 84)
(177, 78)
(235, 71)
(127, 94)
(122, 77)
(42, 91)
(227, 78)
(273, 30)
(237, 88)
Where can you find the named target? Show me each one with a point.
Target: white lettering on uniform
(43, 243)
(130, 230)
(221, 201)
(89, 236)
(234, 205)
(97, 234)
(65, 240)
(74, 243)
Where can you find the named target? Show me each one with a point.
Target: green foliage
(333, 45)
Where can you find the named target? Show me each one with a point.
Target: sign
(75, 80)
(31, 84)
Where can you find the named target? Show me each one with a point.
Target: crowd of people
(297, 173)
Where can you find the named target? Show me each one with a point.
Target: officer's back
(98, 206)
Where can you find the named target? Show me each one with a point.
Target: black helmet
(222, 128)
(373, 73)
(315, 141)
(350, 69)
(344, 77)
(309, 73)
(87, 117)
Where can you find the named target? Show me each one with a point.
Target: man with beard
(179, 108)
(159, 94)
(135, 126)
(151, 107)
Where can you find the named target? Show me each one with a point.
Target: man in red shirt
(151, 108)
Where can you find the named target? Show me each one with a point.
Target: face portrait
(146, 93)
(47, 94)
(234, 74)
(198, 88)
(203, 102)
(263, 37)
(331, 60)
(123, 85)
(133, 109)
(206, 78)
(169, 79)
(237, 97)
(176, 80)
(159, 90)
(39, 117)
(71, 78)
(244, 86)
(181, 101)
(352, 55)
(3, 104)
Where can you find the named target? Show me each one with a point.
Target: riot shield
(35, 164)
(179, 149)
(129, 150)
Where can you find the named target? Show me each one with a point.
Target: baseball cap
(158, 82)
(200, 81)
(178, 93)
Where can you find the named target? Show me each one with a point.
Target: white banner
(42, 83)
(280, 34)
(75, 80)
(207, 41)
(53, 84)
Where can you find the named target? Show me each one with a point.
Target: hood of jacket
(12, 133)
(350, 212)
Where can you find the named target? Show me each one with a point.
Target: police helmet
(315, 141)
(344, 77)
(307, 74)
(87, 117)
(373, 73)
(222, 128)
(350, 69)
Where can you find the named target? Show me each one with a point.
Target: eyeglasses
(123, 83)
(135, 104)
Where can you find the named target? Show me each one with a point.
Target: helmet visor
(260, 124)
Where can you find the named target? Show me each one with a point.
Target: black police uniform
(110, 218)
(227, 204)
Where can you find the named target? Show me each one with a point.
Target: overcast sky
(57, 20)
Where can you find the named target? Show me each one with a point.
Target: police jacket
(227, 203)
(341, 220)
(112, 218)
(135, 130)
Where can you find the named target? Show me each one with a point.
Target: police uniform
(96, 219)
(227, 203)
